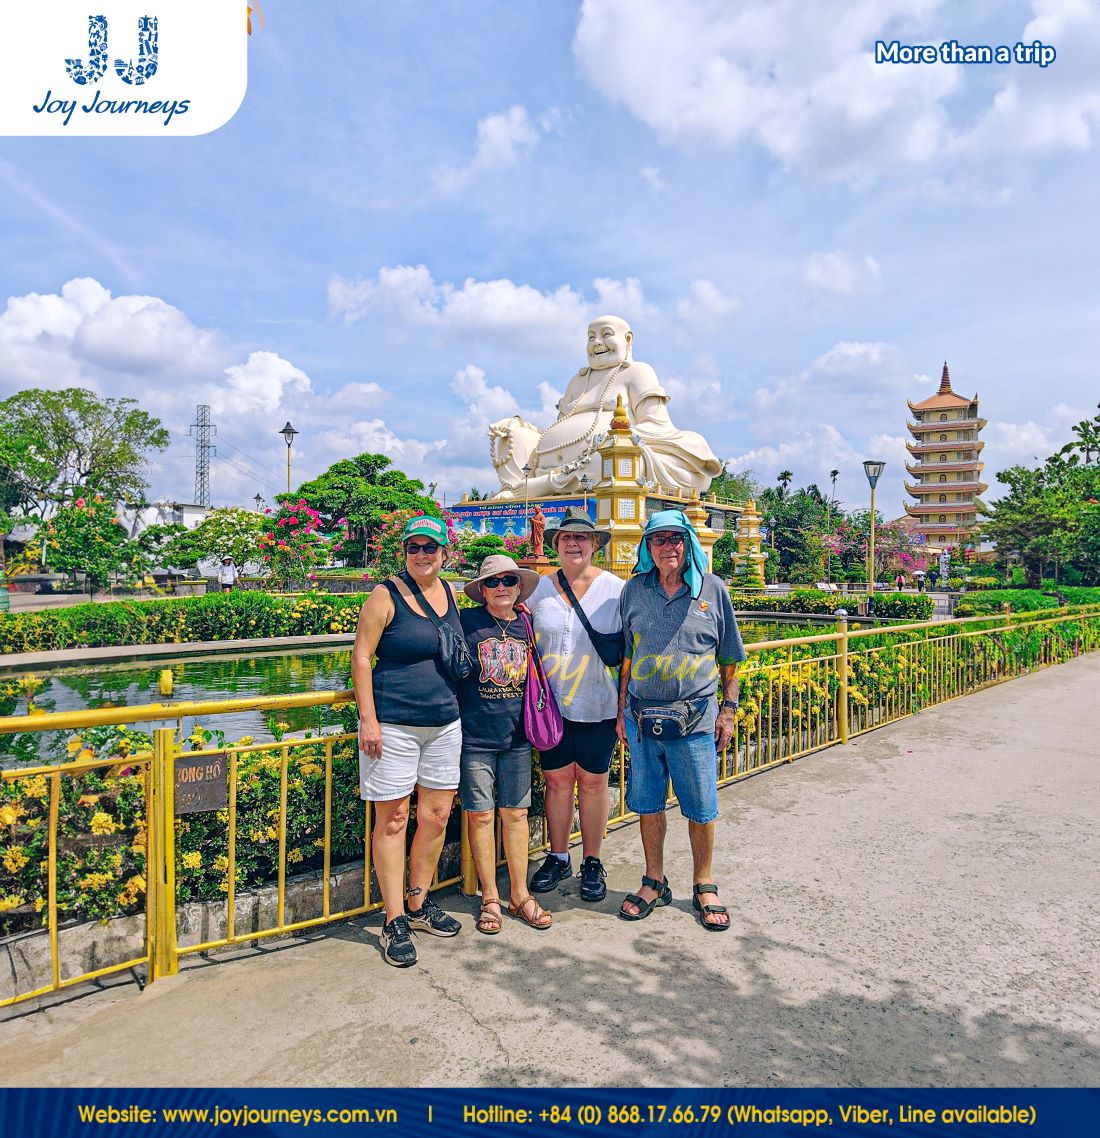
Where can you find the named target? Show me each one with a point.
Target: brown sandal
(537, 918)
(488, 922)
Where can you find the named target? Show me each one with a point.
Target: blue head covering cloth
(695, 560)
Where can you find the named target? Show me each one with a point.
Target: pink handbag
(541, 714)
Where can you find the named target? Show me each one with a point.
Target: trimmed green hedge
(1024, 600)
(219, 616)
(897, 606)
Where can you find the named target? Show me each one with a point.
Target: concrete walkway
(918, 908)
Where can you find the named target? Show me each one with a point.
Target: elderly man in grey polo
(681, 638)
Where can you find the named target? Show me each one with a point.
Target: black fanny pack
(610, 646)
(454, 656)
(669, 720)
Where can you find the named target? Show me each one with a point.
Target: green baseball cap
(424, 526)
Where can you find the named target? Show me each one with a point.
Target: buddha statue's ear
(629, 338)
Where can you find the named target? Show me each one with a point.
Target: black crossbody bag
(610, 646)
(454, 656)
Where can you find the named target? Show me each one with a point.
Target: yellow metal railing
(797, 696)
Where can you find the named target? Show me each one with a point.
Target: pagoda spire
(945, 381)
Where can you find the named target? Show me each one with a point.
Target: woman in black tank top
(410, 735)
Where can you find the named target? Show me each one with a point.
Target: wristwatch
(732, 704)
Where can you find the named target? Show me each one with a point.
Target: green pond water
(221, 677)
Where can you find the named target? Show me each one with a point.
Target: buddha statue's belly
(571, 439)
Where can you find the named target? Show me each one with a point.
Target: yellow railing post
(466, 861)
(161, 870)
(842, 668)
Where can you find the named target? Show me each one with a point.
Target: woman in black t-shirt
(496, 755)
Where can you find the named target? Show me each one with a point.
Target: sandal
(705, 911)
(488, 922)
(664, 897)
(537, 918)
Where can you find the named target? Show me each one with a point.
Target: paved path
(918, 908)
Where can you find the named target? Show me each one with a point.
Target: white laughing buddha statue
(560, 456)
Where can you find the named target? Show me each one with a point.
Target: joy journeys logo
(80, 72)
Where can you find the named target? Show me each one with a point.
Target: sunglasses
(666, 539)
(428, 547)
(508, 580)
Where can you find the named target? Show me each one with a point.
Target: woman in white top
(587, 693)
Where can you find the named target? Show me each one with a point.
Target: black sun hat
(577, 520)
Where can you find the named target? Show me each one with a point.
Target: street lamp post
(288, 433)
(259, 500)
(527, 469)
(586, 484)
(873, 470)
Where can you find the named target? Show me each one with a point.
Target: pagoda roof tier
(949, 402)
(940, 508)
(957, 444)
(944, 398)
(944, 488)
(946, 528)
(945, 467)
(951, 425)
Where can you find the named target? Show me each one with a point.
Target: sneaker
(593, 885)
(430, 918)
(397, 945)
(552, 870)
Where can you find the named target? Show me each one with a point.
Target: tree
(797, 524)
(1048, 518)
(229, 532)
(87, 537)
(59, 444)
(296, 543)
(735, 486)
(784, 478)
(170, 546)
(361, 491)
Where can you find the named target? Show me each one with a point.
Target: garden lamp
(873, 470)
(288, 433)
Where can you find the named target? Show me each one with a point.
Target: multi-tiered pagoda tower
(946, 469)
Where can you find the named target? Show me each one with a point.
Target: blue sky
(400, 236)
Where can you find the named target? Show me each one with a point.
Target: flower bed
(220, 616)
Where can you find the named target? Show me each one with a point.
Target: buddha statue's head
(609, 342)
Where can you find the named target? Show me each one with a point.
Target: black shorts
(589, 745)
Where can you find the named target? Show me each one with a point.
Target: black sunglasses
(666, 538)
(428, 547)
(508, 580)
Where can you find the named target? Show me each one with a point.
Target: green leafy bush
(220, 616)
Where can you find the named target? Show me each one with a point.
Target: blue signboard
(512, 519)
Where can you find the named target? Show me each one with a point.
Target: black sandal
(664, 897)
(705, 910)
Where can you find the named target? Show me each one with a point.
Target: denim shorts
(690, 762)
(496, 778)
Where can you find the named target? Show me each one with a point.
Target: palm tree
(784, 479)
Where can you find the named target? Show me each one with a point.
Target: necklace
(585, 435)
(508, 622)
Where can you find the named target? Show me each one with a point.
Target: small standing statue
(538, 529)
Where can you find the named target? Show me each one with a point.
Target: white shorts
(411, 755)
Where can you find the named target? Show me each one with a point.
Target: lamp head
(873, 470)
(288, 433)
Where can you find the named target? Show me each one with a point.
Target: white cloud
(143, 335)
(503, 139)
(700, 71)
(840, 274)
(706, 305)
(521, 316)
(652, 177)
